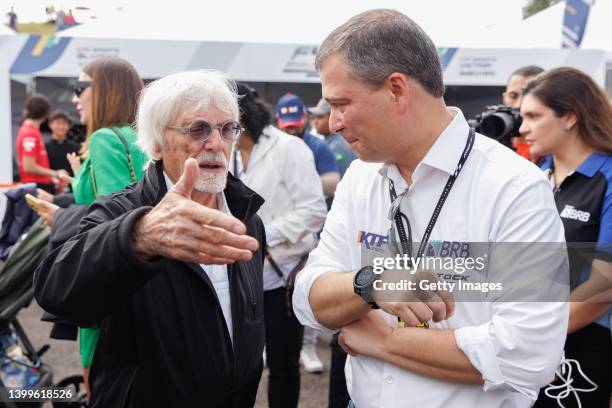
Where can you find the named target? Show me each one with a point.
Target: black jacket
(18, 218)
(164, 341)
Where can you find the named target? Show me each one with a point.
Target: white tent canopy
(277, 21)
(4, 30)
(271, 41)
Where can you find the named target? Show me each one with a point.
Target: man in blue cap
(291, 115)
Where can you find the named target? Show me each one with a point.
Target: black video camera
(498, 122)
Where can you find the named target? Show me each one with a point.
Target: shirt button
(389, 380)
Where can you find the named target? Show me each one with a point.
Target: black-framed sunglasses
(80, 87)
(200, 130)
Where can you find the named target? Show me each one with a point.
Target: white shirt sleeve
(520, 348)
(273, 238)
(333, 254)
(306, 192)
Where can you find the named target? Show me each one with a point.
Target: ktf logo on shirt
(571, 213)
(370, 239)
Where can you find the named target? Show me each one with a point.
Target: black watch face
(364, 276)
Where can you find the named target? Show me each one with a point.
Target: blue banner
(574, 22)
(446, 55)
(39, 53)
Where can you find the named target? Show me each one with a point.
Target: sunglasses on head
(200, 130)
(80, 87)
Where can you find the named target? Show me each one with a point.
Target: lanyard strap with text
(447, 188)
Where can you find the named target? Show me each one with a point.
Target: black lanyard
(434, 217)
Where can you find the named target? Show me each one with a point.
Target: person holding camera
(513, 94)
(512, 97)
(502, 122)
(567, 118)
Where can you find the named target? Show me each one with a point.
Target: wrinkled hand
(365, 335)
(75, 161)
(43, 195)
(415, 306)
(49, 213)
(180, 228)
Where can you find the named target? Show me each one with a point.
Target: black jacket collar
(241, 200)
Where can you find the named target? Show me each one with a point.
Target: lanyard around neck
(434, 217)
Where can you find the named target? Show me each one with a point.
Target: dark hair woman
(106, 96)
(568, 118)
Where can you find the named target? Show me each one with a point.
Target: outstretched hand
(182, 229)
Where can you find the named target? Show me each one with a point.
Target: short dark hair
(36, 106)
(376, 43)
(59, 114)
(528, 71)
(254, 113)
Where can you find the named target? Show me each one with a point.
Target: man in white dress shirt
(382, 76)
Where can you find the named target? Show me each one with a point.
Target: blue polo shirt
(342, 151)
(325, 160)
(584, 202)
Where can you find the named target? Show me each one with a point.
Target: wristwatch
(363, 284)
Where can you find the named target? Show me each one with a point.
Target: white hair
(162, 101)
(211, 182)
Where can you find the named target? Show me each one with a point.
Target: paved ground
(63, 357)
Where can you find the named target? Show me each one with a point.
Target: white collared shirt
(498, 197)
(218, 273)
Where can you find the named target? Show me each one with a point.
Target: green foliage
(534, 6)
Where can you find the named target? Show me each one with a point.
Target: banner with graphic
(261, 62)
(46, 55)
(575, 20)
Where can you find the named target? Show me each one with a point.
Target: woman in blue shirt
(568, 118)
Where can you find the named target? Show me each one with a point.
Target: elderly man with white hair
(171, 267)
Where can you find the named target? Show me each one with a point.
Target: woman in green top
(105, 98)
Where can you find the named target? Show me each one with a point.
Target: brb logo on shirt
(448, 249)
(572, 213)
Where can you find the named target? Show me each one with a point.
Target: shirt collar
(588, 167)
(444, 154)
(592, 164)
(546, 163)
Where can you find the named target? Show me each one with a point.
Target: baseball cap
(321, 109)
(290, 111)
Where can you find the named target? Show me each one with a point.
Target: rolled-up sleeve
(521, 346)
